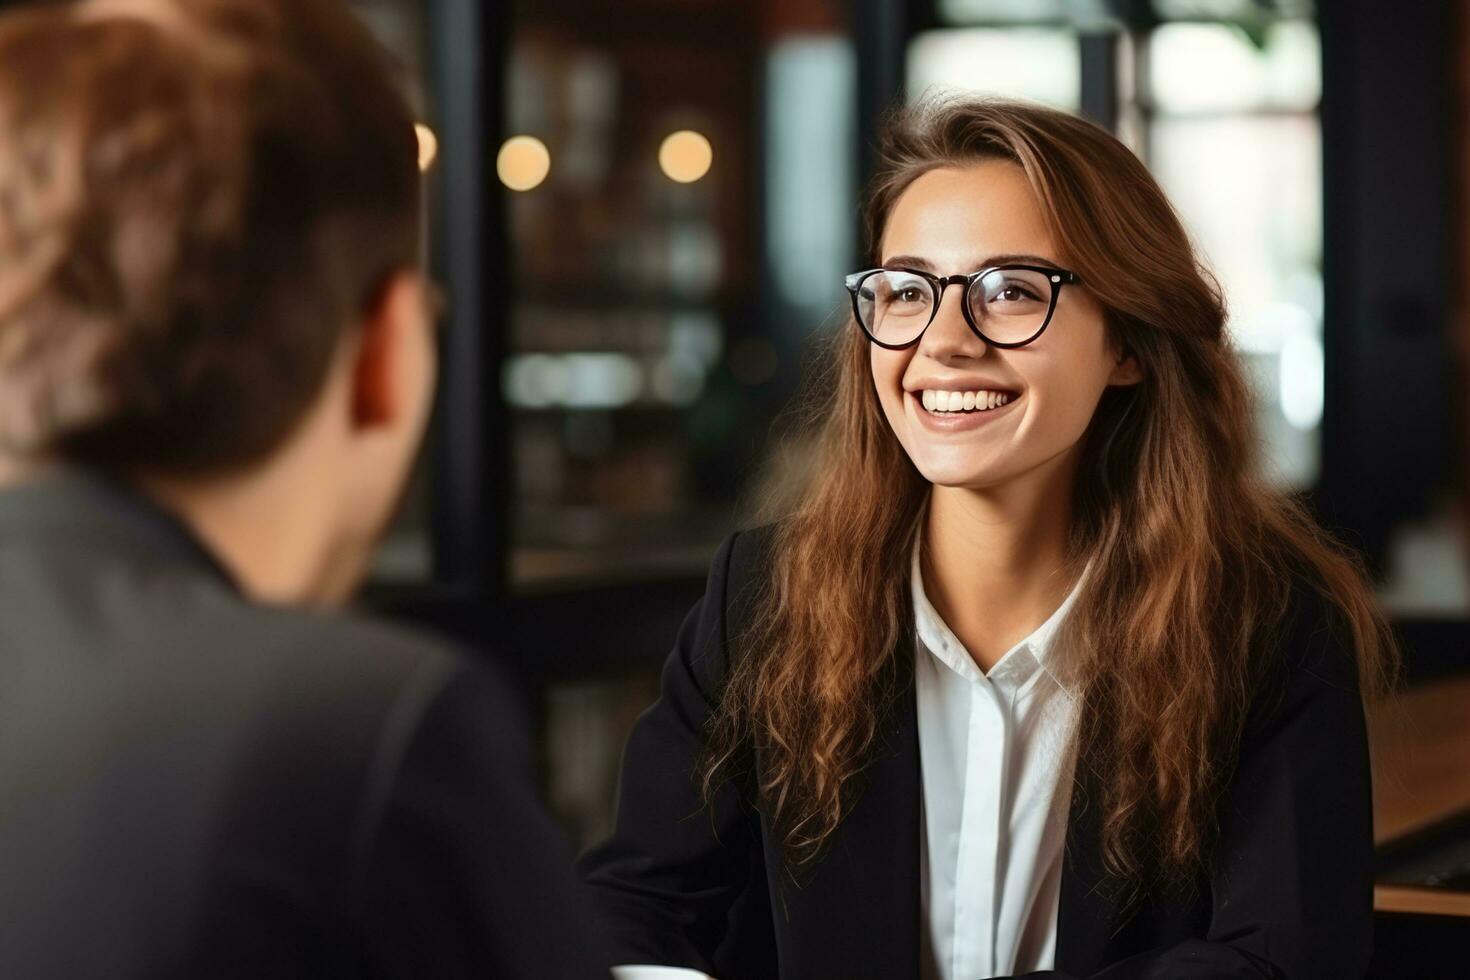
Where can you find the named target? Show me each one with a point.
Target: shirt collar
(1019, 662)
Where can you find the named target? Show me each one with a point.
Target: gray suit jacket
(192, 785)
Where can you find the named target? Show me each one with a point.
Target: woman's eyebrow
(909, 262)
(1008, 258)
(1018, 258)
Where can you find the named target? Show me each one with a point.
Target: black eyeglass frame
(938, 284)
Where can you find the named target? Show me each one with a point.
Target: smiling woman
(1038, 674)
(1048, 346)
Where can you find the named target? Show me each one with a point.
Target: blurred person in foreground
(216, 364)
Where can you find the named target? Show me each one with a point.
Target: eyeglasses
(1007, 306)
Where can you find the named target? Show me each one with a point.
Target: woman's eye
(909, 295)
(1014, 294)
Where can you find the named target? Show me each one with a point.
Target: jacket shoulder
(749, 553)
(1309, 654)
(347, 652)
(746, 570)
(1316, 642)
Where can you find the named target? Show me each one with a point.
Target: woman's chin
(967, 477)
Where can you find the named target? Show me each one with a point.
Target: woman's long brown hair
(1193, 553)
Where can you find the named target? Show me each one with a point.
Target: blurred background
(643, 209)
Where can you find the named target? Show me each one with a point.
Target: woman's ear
(1127, 370)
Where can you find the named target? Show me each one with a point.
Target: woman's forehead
(954, 217)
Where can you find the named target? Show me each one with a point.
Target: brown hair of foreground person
(1192, 551)
(182, 245)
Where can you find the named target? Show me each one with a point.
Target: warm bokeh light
(428, 145)
(523, 163)
(685, 156)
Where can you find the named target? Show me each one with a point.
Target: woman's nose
(949, 335)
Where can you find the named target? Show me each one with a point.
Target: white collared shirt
(996, 786)
(994, 751)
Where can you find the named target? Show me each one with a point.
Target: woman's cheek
(888, 368)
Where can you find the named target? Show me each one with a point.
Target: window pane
(1024, 11)
(1028, 63)
(1249, 190)
(619, 263)
(654, 315)
(810, 179)
(1219, 67)
(1238, 10)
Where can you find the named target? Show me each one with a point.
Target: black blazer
(195, 786)
(1290, 894)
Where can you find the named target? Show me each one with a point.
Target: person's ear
(385, 333)
(1127, 370)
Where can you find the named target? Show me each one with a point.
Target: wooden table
(1420, 743)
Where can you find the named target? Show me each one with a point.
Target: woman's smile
(955, 416)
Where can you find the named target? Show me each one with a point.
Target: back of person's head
(199, 200)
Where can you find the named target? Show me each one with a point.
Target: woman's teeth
(945, 402)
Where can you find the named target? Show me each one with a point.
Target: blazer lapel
(1087, 913)
(856, 914)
